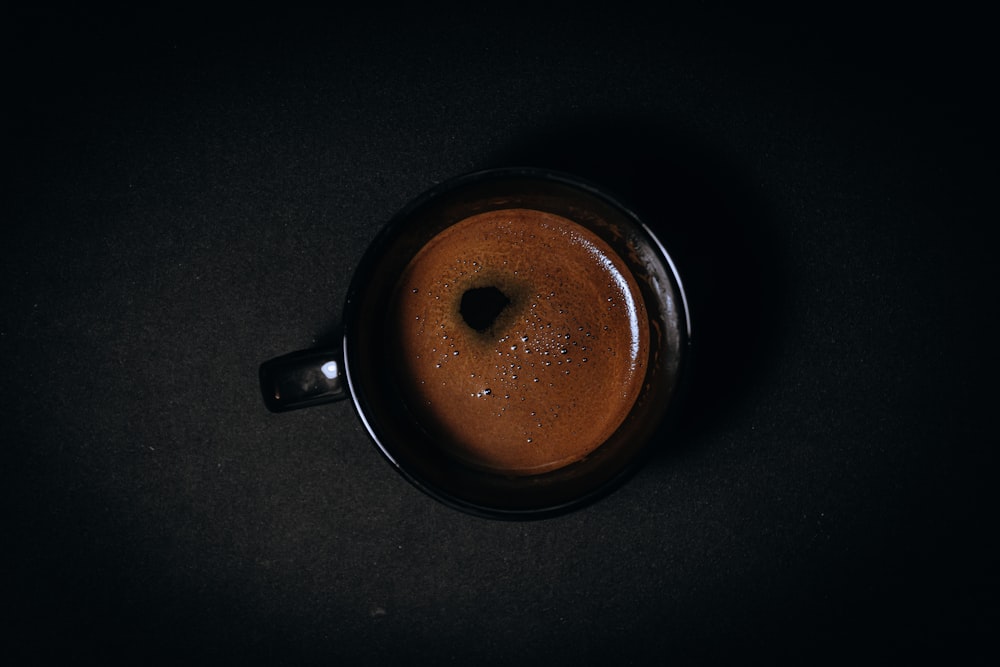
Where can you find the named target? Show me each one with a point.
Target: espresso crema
(521, 340)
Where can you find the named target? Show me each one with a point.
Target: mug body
(372, 368)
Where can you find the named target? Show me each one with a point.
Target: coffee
(521, 340)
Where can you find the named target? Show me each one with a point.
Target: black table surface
(188, 196)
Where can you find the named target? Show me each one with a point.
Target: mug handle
(303, 379)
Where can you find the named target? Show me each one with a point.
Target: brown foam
(561, 365)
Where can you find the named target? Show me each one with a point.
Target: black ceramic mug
(373, 367)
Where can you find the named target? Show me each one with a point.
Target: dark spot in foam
(481, 306)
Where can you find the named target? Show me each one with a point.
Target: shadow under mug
(360, 369)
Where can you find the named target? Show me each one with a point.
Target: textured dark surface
(188, 197)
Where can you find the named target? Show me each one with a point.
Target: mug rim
(353, 306)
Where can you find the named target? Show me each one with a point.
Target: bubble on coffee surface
(524, 305)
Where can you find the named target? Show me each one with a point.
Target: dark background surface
(188, 196)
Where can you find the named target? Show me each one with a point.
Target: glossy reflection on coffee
(522, 340)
